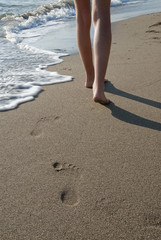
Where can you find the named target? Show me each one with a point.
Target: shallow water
(35, 35)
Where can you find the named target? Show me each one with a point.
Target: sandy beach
(72, 169)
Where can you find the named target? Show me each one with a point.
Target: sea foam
(22, 61)
(22, 65)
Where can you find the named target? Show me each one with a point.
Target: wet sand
(74, 169)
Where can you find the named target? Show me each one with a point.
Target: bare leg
(102, 45)
(83, 15)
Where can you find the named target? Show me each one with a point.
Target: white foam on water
(21, 71)
(22, 62)
(115, 3)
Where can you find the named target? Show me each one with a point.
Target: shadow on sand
(128, 117)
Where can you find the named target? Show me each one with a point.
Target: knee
(101, 15)
(94, 17)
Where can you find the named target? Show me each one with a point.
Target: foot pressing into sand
(98, 94)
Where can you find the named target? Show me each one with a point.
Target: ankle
(90, 77)
(99, 85)
(90, 74)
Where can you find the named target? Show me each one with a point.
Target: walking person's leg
(102, 45)
(83, 16)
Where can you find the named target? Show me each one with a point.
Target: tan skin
(95, 71)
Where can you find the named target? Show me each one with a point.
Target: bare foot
(89, 84)
(98, 94)
(101, 100)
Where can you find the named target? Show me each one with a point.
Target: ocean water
(35, 34)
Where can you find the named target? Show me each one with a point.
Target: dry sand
(73, 169)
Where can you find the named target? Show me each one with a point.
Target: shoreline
(74, 169)
(75, 52)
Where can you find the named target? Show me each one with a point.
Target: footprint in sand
(149, 233)
(153, 29)
(156, 24)
(67, 168)
(152, 226)
(153, 220)
(42, 124)
(69, 197)
(109, 206)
